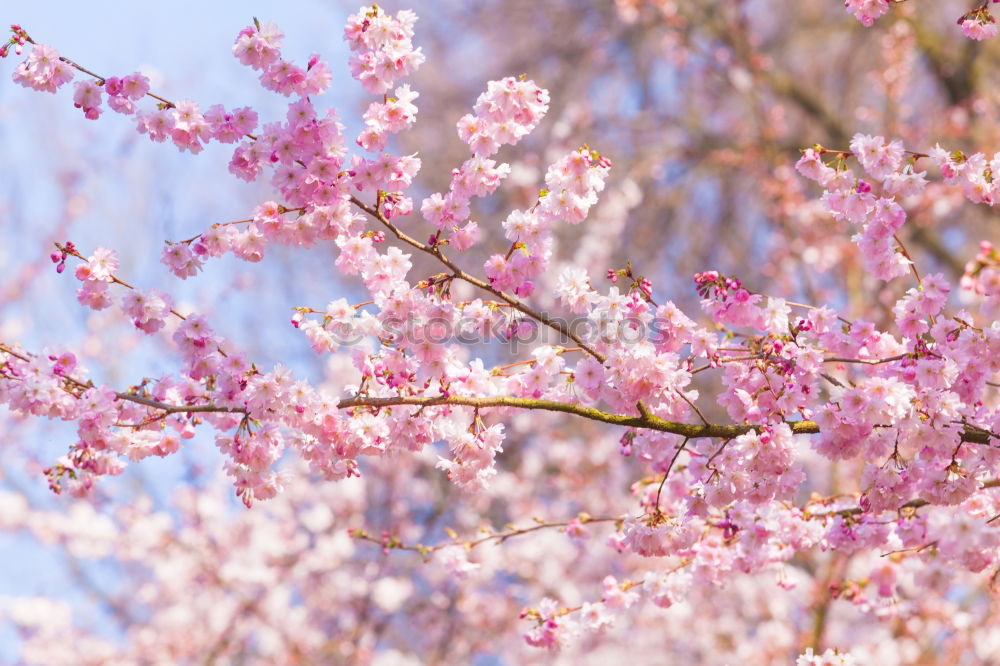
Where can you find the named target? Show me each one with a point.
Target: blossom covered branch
(908, 401)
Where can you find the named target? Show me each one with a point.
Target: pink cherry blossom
(564, 439)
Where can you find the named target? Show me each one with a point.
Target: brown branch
(392, 543)
(912, 504)
(515, 303)
(648, 420)
(100, 79)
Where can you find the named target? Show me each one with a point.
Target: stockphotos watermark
(516, 332)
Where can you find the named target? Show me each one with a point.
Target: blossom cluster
(875, 207)
(508, 110)
(976, 24)
(572, 186)
(982, 276)
(259, 46)
(383, 47)
(43, 70)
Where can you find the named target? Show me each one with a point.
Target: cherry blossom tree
(776, 449)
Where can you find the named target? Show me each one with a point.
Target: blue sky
(135, 194)
(131, 195)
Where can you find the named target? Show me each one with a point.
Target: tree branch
(515, 303)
